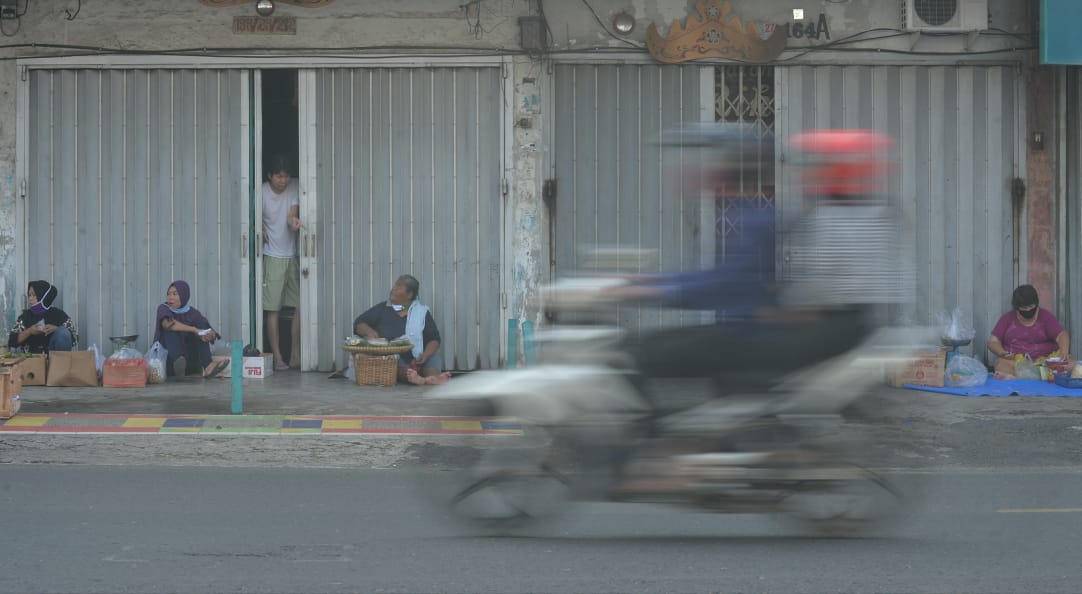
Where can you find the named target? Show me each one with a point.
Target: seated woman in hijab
(42, 327)
(185, 333)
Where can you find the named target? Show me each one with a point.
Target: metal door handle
(243, 245)
(258, 245)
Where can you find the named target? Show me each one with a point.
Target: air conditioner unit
(945, 15)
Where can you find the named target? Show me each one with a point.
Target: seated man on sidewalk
(404, 314)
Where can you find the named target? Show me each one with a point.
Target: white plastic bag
(99, 359)
(965, 372)
(955, 327)
(155, 359)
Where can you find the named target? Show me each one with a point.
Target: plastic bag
(155, 359)
(124, 353)
(99, 359)
(955, 327)
(1027, 369)
(965, 372)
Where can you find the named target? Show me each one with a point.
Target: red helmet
(844, 162)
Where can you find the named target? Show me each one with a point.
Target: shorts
(281, 283)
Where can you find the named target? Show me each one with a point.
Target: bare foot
(415, 378)
(999, 375)
(435, 380)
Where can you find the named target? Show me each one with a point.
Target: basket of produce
(376, 370)
(376, 346)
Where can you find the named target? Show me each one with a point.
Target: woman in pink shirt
(1027, 330)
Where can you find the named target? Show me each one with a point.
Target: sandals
(216, 369)
(281, 366)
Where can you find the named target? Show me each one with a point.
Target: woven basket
(376, 370)
(377, 350)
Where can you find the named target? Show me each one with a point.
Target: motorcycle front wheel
(509, 489)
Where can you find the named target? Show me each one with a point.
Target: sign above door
(716, 34)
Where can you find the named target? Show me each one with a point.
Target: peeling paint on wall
(8, 300)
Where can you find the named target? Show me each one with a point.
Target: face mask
(396, 307)
(39, 309)
(1028, 314)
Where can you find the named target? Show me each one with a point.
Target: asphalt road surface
(265, 529)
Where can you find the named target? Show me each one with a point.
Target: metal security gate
(133, 179)
(616, 187)
(745, 95)
(406, 167)
(959, 146)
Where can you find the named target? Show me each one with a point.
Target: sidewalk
(283, 393)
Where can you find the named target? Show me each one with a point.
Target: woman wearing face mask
(42, 327)
(185, 333)
(1027, 330)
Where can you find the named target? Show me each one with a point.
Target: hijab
(185, 314)
(46, 293)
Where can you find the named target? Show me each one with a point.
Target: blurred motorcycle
(596, 430)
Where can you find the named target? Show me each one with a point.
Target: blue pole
(527, 342)
(512, 343)
(236, 369)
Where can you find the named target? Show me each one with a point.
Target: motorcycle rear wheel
(859, 503)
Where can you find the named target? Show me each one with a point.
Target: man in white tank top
(281, 270)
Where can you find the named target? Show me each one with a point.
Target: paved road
(190, 529)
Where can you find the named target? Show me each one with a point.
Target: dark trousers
(187, 344)
(748, 354)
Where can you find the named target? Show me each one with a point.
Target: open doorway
(280, 136)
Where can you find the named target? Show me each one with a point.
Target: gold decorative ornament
(716, 34)
(301, 3)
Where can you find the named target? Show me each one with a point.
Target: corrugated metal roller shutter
(136, 178)
(408, 182)
(959, 148)
(616, 185)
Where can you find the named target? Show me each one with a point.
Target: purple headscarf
(185, 314)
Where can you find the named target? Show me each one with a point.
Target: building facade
(485, 147)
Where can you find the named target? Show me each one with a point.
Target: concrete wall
(350, 28)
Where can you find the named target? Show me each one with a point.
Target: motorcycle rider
(844, 263)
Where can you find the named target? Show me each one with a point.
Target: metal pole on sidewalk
(236, 369)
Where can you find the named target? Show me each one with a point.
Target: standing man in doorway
(281, 269)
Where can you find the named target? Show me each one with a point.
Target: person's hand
(36, 329)
(209, 336)
(295, 224)
(49, 329)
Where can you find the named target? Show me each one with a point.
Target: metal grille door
(616, 185)
(407, 181)
(136, 178)
(744, 94)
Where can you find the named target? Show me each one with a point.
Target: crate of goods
(30, 367)
(376, 370)
(124, 373)
(11, 384)
(1067, 380)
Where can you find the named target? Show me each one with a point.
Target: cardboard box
(927, 368)
(30, 367)
(11, 384)
(254, 367)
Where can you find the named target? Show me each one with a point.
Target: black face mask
(1028, 314)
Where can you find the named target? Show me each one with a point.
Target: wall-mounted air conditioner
(945, 15)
